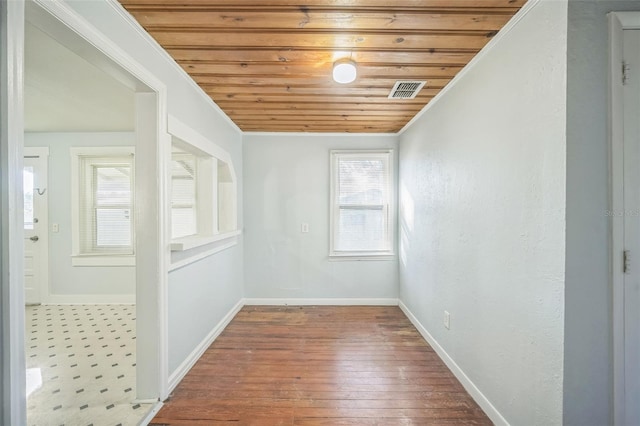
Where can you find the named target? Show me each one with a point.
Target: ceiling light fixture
(344, 71)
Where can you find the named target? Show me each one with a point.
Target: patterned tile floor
(86, 360)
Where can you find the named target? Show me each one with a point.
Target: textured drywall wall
(287, 184)
(482, 219)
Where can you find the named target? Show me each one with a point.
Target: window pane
(361, 230)
(113, 205)
(362, 202)
(183, 192)
(113, 227)
(183, 195)
(183, 222)
(361, 181)
(27, 183)
(183, 165)
(113, 185)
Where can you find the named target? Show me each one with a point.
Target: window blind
(362, 192)
(183, 195)
(106, 205)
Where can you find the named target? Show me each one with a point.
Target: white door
(35, 224)
(631, 218)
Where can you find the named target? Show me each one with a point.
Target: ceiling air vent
(406, 89)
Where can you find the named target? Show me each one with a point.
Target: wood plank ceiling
(268, 64)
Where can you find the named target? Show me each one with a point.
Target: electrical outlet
(304, 228)
(55, 227)
(447, 320)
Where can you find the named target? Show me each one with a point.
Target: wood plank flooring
(320, 365)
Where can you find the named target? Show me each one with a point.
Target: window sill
(361, 256)
(194, 241)
(103, 260)
(215, 244)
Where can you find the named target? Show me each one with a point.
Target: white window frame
(216, 196)
(389, 207)
(82, 160)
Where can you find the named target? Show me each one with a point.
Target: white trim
(151, 244)
(195, 258)
(356, 258)
(102, 151)
(618, 22)
(195, 355)
(12, 374)
(322, 134)
(616, 227)
(192, 137)
(151, 414)
(194, 241)
(479, 57)
(144, 401)
(103, 260)
(628, 20)
(473, 390)
(321, 302)
(118, 8)
(107, 55)
(90, 299)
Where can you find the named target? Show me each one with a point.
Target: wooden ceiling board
(322, 20)
(288, 82)
(232, 101)
(512, 5)
(268, 64)
(432, 57)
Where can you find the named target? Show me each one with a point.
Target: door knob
(34, 238)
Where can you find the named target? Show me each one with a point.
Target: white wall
(218, 278)
(588, 374)
(66, 280)
(287, 183)
(482, 219)
(204, 301)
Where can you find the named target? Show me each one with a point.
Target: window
(203, 190)
(361, 198)
(102, 198)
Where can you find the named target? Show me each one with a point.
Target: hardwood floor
(320, 365)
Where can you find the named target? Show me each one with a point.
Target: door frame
(152, 254)
(12, 373)
(42, 153)
(618, 23)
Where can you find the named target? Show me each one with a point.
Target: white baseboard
(193, 357)
(147, 419)
(323, 301)
(473, 390)
(90, 299)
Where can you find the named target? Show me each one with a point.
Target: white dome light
(344, 71)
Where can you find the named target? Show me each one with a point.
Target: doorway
(625, 213)
(64, 24)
